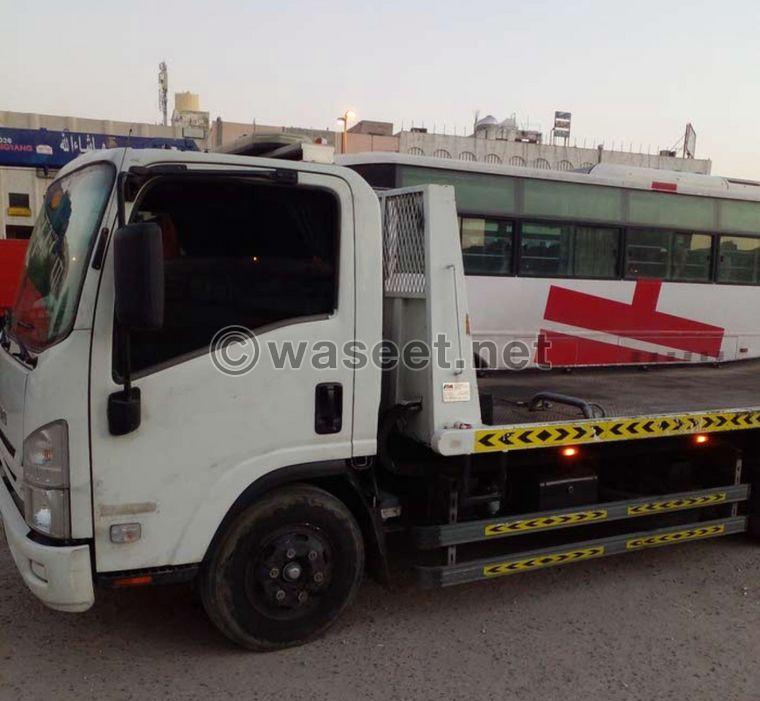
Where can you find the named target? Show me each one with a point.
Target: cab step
(448, 575)
(428, 537)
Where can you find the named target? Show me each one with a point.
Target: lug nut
(290, 554)
(280, 595)
(319, 577)
(274, 573)
(302, 596)
(313, 555)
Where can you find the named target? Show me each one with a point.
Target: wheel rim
(289, 572)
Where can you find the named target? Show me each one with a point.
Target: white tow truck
(258, 374)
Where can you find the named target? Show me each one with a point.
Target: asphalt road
(681, 623)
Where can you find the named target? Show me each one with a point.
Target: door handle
(328, 407)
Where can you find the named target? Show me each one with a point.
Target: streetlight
(346, 116)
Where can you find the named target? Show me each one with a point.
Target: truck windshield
(56, 261)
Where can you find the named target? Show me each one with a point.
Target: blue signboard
(42, 148)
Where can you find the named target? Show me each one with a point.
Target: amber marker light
(701, 439)
(569, 452)
(139, 581)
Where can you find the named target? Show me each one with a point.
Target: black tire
(298, 530)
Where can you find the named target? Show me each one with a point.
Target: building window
(738, 260)
(441, 153)
(564, 165)
(667, 255)
(15, 231)
(569, 250)
(487, 246)
(517, 161)
(542, 164)
(467, 156)
(493, 159)
(416, 151)
(18, 205)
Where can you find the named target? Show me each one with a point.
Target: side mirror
(139, 304)
(139, 276)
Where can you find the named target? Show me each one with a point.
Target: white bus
(613, 266)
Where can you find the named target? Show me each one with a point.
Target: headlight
(46, 480)
(46, 456)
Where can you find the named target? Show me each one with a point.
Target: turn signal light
(133, 581)
(701, 439)
(569, 452)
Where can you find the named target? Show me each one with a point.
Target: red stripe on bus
(639, 319)
(665, 187)
(557, 349)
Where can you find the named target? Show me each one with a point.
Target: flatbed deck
(624, 392)
(628, 404)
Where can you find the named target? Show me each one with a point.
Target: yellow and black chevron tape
(676, 537)
(594, 431)
(655, 507)
(540, 561)
(542, 522)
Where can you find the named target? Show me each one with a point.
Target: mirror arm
(124, 413)
(126, 358)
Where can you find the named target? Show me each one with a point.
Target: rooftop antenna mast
(163, 89)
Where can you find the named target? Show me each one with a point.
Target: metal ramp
(447, 575)
(449, 536)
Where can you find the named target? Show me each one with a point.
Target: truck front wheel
(284, 570)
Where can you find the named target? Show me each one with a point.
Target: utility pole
(163, 89)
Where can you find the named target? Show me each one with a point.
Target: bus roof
(601, 174)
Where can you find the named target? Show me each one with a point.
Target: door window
(236, 253)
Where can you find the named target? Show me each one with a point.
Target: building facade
(33, 147)
(496, 151)
(492, 142)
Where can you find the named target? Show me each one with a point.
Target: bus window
(738, 259)
(667, 255)
(486, 246)
(691, 257)
(596, 252)
(569, 250)
(647, 254)
(546, 249)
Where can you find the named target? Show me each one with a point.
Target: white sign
(456, 391)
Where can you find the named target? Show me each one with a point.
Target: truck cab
(256, 258)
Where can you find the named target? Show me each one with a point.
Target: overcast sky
(634, 73)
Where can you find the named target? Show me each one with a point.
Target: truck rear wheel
(284, 570)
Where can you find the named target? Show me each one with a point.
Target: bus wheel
(284, 570)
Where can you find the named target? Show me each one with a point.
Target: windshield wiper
(5, 340)
(23, 353)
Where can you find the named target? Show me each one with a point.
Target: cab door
(242, 379)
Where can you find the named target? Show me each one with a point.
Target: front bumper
(61, 577)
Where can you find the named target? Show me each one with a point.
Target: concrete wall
(54, 122)
(361, 143)
(536, 155)
(224, 133)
